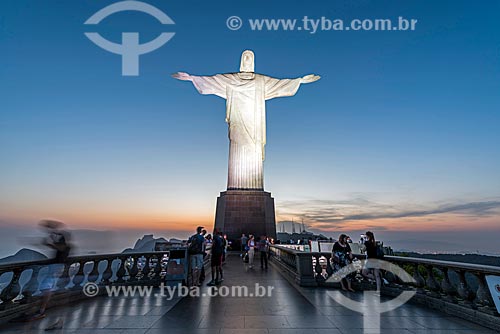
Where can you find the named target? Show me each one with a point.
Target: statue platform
(245, 211)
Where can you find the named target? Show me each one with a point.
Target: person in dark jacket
(263, 250)
(342, 256)
(196, 254)
(216, 258)
(370, 270)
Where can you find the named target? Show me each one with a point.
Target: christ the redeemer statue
(245, 93)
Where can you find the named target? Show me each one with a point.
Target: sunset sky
(401, 135)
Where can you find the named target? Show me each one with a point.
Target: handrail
(129, 268)
(93, 257)
(451, 286)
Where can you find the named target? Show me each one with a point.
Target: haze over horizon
(400, 136)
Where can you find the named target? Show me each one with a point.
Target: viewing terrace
(301, 298)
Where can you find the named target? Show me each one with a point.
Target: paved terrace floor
(290, 310)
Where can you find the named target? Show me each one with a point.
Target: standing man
(263, 249)
(216, 258)
(226, 245)
(195, 250)
(244, 241)
(202, 272)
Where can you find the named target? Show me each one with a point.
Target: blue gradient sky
(400, 135)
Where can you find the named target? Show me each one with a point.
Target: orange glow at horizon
(182, 219)
(434, 223)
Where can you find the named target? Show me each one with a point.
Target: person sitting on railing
(342, 256)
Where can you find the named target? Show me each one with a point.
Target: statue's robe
(245, 95)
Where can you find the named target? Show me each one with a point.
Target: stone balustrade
(449, 286)
(20, 282)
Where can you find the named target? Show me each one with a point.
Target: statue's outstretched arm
(182, 76)
(310, 78)
(286, 87)
(214, 84)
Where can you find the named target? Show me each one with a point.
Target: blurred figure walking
(58, 240)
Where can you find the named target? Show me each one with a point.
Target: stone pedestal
(245, 211)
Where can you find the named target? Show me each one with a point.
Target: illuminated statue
(245, 93)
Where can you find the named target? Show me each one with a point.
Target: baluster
(483, 297)
(447, 288)
(329, 268)
(108, 272)
(419, 280)
(431, 282)
(32, 286)
(64, 279)
(79, 276)
(94, 274)
(13, 289)
(463, 290)
(157, 270)
(120, 274)
(318, 269)
(146, 269)
(135, 269)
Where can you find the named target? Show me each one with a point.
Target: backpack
(195, 245)
(218, 245)
(380, 251)
(263, 246)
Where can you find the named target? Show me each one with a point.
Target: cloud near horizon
(360, 213)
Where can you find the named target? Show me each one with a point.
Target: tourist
(251, 250)
(271, 242)
(226, 245)
(370, 270)
(263, 250)
(206, 240)
(244, 241)
(196, 252)
(216, 258)
(57, 240)
(342, 256)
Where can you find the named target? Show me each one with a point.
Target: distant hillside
(24, 255)
(145, 244)
(486, 260)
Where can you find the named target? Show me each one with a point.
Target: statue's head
(247, 61)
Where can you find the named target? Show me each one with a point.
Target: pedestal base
(245, 211)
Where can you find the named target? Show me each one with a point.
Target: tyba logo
(130, 49)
